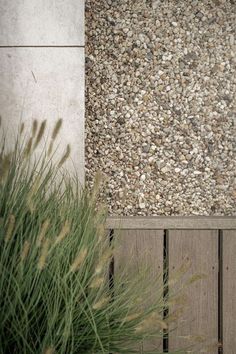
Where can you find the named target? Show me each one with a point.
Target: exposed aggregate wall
(161, 105)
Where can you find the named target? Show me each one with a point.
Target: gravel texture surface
(161, 105)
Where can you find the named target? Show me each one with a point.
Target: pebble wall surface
(161, 105)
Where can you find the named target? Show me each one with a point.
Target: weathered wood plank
(135, 248)
(229, 292)
(200, 317)
(173, 222)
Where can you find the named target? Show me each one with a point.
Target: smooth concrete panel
(45, 83)
(41, 22)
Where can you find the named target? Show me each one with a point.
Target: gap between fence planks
(198, 238)
(229, 292)
(172, 222)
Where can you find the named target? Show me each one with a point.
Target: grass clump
(56, 296)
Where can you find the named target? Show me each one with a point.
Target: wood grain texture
(200, 317)
(173, 222)
(137, 248)
(229, 292)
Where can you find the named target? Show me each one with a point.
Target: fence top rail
(172, 222)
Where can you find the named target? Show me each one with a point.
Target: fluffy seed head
(78, 260)
(96, 282)
(150, 322)
(175, 315)
(100, 217)
(43, 255)
(30, 204)
(100, 232)
(103, 261)
(25, 250)
(196, 277)
(5, 162)
(34, 189)
(99, 178)
(101, 303)
(42, 233)
(49, 350)
(131, 317)
(63, 233)
(10, 227)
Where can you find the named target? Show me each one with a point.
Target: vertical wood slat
(200, 316)
(137, 247)
(229, 291)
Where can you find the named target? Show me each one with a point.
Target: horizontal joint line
(42, 46)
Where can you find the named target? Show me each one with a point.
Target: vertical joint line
(111, 265)
(165, 287)
(220, 292)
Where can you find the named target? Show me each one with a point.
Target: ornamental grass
(57, 291)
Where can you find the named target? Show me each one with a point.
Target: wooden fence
(210, 244)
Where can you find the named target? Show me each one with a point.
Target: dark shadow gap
(111, 265)
(220, 292)
(166, 289)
